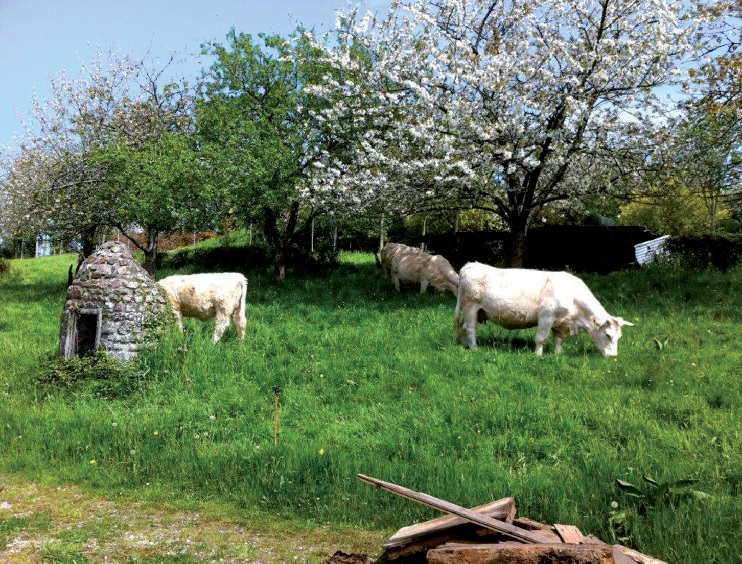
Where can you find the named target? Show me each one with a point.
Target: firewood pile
(492, 533)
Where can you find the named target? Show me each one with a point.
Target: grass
(340, 375)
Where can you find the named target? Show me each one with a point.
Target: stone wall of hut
(111, 304)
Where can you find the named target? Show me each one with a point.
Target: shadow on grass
(24, 293)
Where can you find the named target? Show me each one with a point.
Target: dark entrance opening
(88, 333)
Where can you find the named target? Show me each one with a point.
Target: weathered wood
(429, 534)
(442, 505)
(626, 552)
(510, 553)
(499, 509)
(570, 533)
(638, 556)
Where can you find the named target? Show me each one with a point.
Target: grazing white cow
(203, 296)
(424, 269)
(518, 299)
(388, 253)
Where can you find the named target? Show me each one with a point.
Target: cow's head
(606, 334)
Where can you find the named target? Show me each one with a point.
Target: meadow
(340, 375)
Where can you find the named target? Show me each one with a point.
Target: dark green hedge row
(216, 259)
(722, 251)
(244, 258)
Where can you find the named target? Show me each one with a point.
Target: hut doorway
(83, 332)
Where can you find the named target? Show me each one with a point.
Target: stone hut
(110, 305)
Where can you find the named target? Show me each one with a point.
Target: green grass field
(340, 375)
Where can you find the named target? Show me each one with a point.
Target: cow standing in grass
(514, 298)
(410, 265)
(203, 296)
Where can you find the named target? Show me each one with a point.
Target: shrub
(216, 259)
(4, 266)
(96, 374)
(703, 251)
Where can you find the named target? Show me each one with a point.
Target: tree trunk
(515, 247)
(150, 253)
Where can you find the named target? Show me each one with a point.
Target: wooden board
(511, 553)
(504, 528)
(570, 533)
(429, 534)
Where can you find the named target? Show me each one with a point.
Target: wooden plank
(499, 509)
(510, 553)
(570, 533)
(442, 505)
(421, 537)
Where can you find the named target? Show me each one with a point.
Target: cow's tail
(376, 257)
(243, 298)
(458, 313)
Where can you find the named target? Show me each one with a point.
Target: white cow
(203, 296)
(424, 269)
(518, 299)
(388, 253)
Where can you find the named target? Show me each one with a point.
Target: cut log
(508, 530)
(429, 534)
(509, 553)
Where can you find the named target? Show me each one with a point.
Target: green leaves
(661, 493)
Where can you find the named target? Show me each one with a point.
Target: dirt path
(41, 523)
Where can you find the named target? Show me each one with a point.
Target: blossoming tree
(502, 105)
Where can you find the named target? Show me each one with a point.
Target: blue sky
(41, 38)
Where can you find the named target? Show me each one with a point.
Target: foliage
(96, 374)
(155, 185)
(656, 493)
(697, 252)
(672, 210)
(260, 134)
(216, 259)
(99, 155)
(507, 107)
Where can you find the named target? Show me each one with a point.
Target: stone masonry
(109, 305)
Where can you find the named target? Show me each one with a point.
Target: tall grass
(342, 375)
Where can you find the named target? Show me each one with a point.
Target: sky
(39, 39)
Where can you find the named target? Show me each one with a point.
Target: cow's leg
(470, 312)
(179, 319)
(222, 322)
(558, 338)
(240, 321)
(545, 322)
(395, 279)
(424, 285)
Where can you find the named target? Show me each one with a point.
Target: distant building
(648, 251)
(44, 246)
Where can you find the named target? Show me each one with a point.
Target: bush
(96, 374)
(246, 258)
(699, 252)
(4, 266)
(215, 259)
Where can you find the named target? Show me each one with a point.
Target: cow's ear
(623, 322)
(596, 322)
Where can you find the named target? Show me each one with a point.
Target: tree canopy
(262, 134)
(505, 106)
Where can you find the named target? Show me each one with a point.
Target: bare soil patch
(48, 523)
